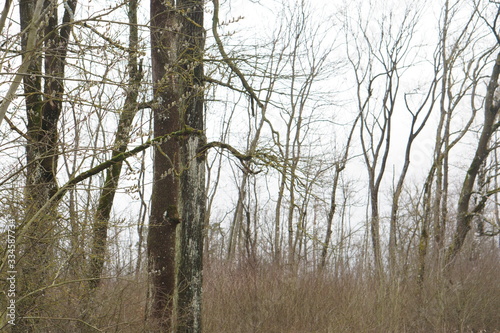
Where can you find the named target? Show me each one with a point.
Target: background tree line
(306, 166)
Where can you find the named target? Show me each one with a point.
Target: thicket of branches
(329, 167)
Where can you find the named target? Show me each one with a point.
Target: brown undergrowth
(267, 298)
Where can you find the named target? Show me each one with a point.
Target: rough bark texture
(178, 196)
(192, 177)
(164, 200)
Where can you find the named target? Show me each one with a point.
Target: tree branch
(232, 150)
(95, 170)
(227, 60)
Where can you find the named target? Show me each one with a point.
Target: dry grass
(270, 299)
(264, 298)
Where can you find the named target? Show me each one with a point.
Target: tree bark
(164, 216)
(178, 197)
(192, 178)
(43, 108)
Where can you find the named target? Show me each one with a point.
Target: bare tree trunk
(164, 216)
(339, 167)
(43, 108)
(178, 196)
(236, 225)
(277, 215)
(435, 195)
(464, 214)
(414, 132)
(192, 178)
(108, 191)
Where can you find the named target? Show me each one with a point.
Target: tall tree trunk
(164, 217)
(43, 108)
(178, 197)
(192, 178)
(31, 270)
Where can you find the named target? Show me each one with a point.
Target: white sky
(256, 27)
